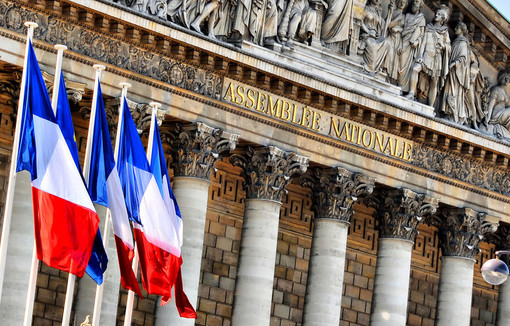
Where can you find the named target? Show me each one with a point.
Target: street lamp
(495, 271)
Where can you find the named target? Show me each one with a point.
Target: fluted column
(398, 214)
(267, 171)
(195, 149)
(460, 232)
(334, 192)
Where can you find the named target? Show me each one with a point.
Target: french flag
(105, 189)
(157, 238)
(65, 221)
(160, 172)
(98, 261)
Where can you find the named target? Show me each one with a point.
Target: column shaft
(503, 318)
(87, 288)
(257, 255)
(326, 273)
(19, 254)
(192, 195)
(391, 284)
(455, 291)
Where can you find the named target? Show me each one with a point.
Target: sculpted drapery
(373, 47)
(458, 81)
(337, 22)
(499, 107)
(395, 28)
(411, 38)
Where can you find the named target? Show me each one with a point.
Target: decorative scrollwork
(335, 190)
(268, 170)
(461, 230)
(196, 147)
(398, 212)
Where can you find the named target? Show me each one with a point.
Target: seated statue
(498, 120)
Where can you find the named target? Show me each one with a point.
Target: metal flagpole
(86, 172)
(131, 294)
(14, 158)
(29, 306)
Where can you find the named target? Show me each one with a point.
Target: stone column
(334, 192)
(195, 149)
(501, 238)
(398, 213)
(19, 252)
(267, 171)
(460, 232)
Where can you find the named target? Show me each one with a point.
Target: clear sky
(503, 6)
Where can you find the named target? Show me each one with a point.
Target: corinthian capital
(461, 230)
(196, 147)
(335, 190)
(268, 170)
(398, 212)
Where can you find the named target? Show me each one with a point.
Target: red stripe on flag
(127, 276)
(64, 232)
(159, 267)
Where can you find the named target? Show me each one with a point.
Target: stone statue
(395, 27)
(459, 77)
(223, 26)
(498, 114)
(210, 11)
(432, 59)
(302, 21)
(240, 25)
(411, 39)
(477, 95)
(337, 24)
(373, 45)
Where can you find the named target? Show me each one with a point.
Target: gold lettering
(316, 124)
(305, 119)
(230, 92)
(334, 126)
(406, 156)
(345, 131)
(379, 141)
(389, 146)
(370, 142)
(294, 115)
(251, 96)
(240, 92)
(260, 102)
(286, 111)
(273, 108)
(353, 130)
(395, 150)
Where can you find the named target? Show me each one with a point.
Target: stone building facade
(340, 162)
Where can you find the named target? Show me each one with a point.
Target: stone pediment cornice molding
(158, 56)
(116, 43)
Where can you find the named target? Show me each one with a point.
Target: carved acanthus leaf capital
(398, 212)
(75, 90)
(461, 230)
(335, 190)
(268, 170)
(196, 147)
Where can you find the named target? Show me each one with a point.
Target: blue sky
(503, 7)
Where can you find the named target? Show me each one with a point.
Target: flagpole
(9, 200)
(32, 283)
(71, 280)
(86, 171)
(131, 295)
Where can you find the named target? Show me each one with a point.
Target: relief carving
(335, 190)
(337, 24)
(398, 212)
(497, 121)
(460, 231)
(431, 65)
(268, 170)
(196, 147)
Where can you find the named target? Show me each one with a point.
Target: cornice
(430, 139)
